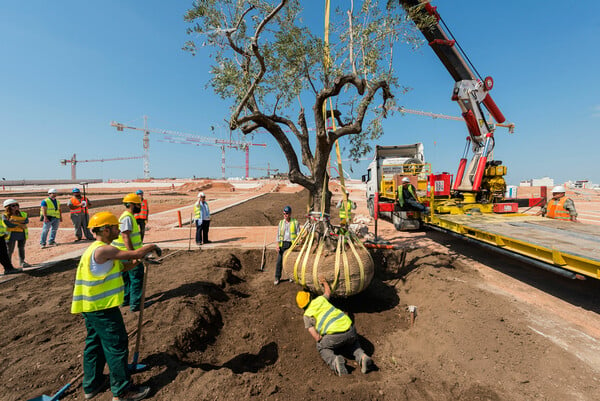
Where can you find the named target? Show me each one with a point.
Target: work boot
(103, 386)
(340, 366)
(134, 394)
(366, 364)
(12, 271)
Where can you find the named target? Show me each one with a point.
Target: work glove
(158, 251)
(83, 203)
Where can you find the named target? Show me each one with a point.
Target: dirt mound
(219, 330)
(266, 210)
(195, 186)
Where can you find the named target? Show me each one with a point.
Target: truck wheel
(371, 207)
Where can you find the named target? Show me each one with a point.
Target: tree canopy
(268, 61)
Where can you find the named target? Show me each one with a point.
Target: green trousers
(134, 282)
(106, 343)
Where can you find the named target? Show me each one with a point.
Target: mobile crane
(473, 206)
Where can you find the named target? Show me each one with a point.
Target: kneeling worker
(97, 295)
(332, 329)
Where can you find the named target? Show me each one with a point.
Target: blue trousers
(52, 227)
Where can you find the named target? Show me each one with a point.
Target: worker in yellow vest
(131, 239)
(287, 231)
(345, 205)
(16, 222)
(79, 206)
(142, 216)
(4, 259)
(407, 197)
(332, 329)
(97, 294)
(51, 215)
(559, 207)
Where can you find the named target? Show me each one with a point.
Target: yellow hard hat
(132, 198)
(302, 299)
(102, 219)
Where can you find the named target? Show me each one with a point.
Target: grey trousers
(346, 341)
(80, 222)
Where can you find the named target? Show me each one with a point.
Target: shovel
(134, 366)
(262, 259)
(59, 393)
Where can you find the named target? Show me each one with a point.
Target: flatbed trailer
(570, 249)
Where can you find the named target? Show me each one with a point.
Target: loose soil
(219, 330)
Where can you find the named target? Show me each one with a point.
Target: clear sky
(71, 67)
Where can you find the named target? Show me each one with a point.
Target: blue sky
(71, 67)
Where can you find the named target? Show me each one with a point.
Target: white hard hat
(52, 191)
(201, 195)
(558, 189)
(9, 202)
(406, 179)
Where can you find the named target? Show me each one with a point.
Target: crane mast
(471, 92)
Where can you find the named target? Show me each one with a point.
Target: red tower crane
(73, 160)
(185, 138)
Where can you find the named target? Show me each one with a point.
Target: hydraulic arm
(470, 92)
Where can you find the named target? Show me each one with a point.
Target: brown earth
(219, 330)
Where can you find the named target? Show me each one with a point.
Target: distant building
(537, 182)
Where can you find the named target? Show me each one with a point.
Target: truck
(471, 204)
(384, 174)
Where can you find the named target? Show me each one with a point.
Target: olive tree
(268, 63)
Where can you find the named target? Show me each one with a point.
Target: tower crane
(73, 160)
(185, 138)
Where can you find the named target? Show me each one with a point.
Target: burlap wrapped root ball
(355, 267)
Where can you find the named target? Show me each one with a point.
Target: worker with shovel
(332, 329)
(97, 294)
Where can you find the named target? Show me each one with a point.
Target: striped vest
(143, 214)
(293, 231)
(51, 211)
(556, 210)
(18, 219)
(92, 293)
(77, 202)
(328, 318)
(135, 235)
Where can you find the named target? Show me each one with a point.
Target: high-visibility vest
(77, 202)
(135, 236)
(556, 209)
(401, 193)
(94, 293)
(346, 209)
(18, 219)
(143, 214)
(198, 211)
(293, 231)
(328, 318)
(4, 233)
(51, 211)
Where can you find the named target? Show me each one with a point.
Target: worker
(4, 258)
(16, 222)
(130, 239)
(346, 206)
(51, 216)
(79, 206)
(97, 294)
(202, 218)
(407, 197)
(332, 329)
(287, 232)
(559, 207)
(142, 216)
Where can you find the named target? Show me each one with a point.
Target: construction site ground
(487, 327)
